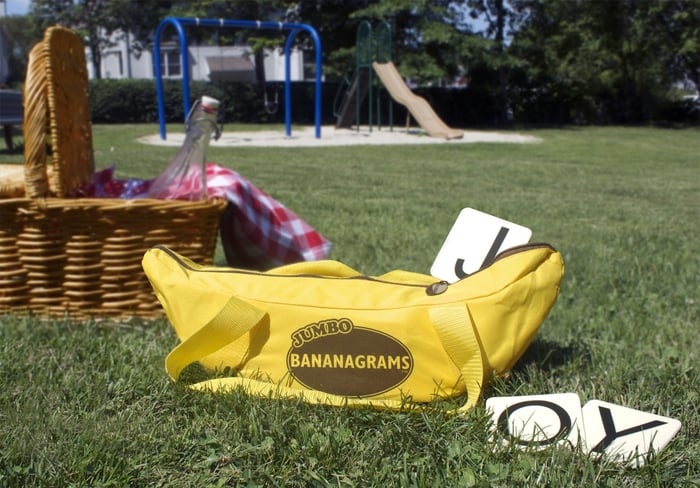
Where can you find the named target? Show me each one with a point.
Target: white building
(207, 63)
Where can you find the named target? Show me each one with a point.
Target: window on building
(170, 66)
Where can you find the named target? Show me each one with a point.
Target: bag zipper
(432, 289)
(516, 249)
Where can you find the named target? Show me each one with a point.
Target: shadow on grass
(550, 355)
(543, 359)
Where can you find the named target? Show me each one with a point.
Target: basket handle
(56, 103)
(36, 182)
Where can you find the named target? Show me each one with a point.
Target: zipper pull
(437, 288)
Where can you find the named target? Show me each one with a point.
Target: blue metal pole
(159, 81)
(318, 81)
(288, 85)
(319, 75)
(185, 63)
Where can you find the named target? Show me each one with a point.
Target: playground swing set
(373, 56)
(294, 29)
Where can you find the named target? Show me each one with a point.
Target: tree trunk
(96, 61)
(260, 67)
(504, 116)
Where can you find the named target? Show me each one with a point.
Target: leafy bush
(135, 101)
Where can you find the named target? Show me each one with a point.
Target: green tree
(433, 39)
(138, 20)
(336, 24)
(564, 55)
(498, 18)
(681, 19)
(21, 35)
(101, 23)
(608, 60)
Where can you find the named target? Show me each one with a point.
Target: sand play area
(330, 136)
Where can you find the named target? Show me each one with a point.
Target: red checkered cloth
(257, 231)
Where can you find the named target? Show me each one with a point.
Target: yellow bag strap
(455, 329)
(324, 267)
(452, 324)
(235, 319)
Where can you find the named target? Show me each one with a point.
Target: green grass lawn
(91, 405)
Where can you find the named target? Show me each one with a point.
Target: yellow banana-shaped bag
(328, 334)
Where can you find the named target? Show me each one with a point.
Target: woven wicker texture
(82, 257)
(56, 89)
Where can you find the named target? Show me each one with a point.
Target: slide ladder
(353, 98)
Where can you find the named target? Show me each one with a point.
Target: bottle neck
(206, 122)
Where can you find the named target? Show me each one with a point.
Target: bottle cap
(209, 103)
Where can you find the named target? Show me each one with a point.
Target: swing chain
(271, 107)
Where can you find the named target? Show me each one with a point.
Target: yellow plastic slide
(420, 109)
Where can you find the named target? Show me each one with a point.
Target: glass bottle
(185, 177)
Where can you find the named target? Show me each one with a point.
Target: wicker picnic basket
(81, 257)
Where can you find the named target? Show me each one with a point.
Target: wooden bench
(10, 113)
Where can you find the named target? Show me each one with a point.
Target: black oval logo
(337, 357)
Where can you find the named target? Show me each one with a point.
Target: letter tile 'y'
(626, 434)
